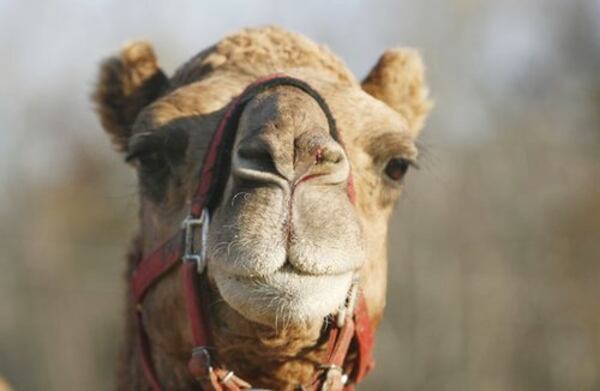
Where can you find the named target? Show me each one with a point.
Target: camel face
(285, 240)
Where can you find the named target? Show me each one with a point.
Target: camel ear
(127, 83)
(398, 79)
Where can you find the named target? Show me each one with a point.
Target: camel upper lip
(287, 269)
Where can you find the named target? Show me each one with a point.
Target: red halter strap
(180, 247)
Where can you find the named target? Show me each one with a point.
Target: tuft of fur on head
(398, 79)
(127, 83)
(261, 51)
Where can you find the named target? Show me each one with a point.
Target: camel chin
(285, 297)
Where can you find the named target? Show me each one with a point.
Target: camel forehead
(347, 102)
(210, 80)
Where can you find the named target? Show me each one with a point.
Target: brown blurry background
(495, 266)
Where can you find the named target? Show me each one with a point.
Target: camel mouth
(286, 296)
(273, 284)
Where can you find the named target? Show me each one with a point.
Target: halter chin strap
(353, 330)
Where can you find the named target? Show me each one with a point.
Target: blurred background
(495, 247)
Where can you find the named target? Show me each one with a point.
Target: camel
(301, 216)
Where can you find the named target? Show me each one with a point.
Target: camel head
(286, 240)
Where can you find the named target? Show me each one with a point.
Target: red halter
(356, 327)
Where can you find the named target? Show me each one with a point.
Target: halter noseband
(334, 373)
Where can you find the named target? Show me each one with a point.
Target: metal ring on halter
(348, 307)
(189, 225)
(228, 376)
(334, 375)
(345, 378)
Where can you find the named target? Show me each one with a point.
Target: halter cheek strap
(353, 332)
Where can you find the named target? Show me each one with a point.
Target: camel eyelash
(413, 164)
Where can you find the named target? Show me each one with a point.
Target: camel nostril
(265, 161)
(257, 155)
(254, 150)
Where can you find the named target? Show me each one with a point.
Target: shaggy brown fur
(270, 288)
(127, 84)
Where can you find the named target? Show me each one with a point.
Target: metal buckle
(228, 376)
(189, 252)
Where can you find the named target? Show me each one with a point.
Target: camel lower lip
(297, 297)
(288, 275)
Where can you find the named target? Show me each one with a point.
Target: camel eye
(151, 162)
(147, 151)
(148, 160)
(396, 168)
